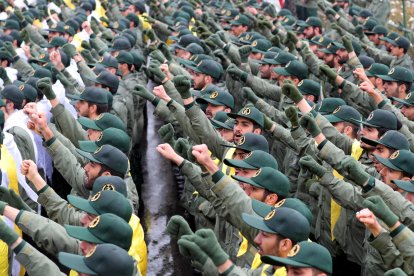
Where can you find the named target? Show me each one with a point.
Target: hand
(292, 114)
(87, 27)
(183, 84)
(164, 49)
(330, 12)
(158, 75)
(10, 48)
(236, 73)
(268, 123)
(202, 154)
(160, 92)
(7, 234)
(244, 52)
(166, 132)
(250, 95)
(207, 241)
(308, 122)
(368, 87)
(310, 164)
(69, 50)
(157, 55)
(168, 153)
(62, 78)
(265, 24)
(30, 108)
(377, 205)
(177, 227)
(85, 45)
(359, 30)
(336, 27)
(144, 93)
(366, 217)
(3, 75)
(2, 206)
(45, 86)
(151, 35)
(291, 36)
(353, 170)
(166, 70)
(276, 41)
(188, 248)
(360, 73)
(56, 60)
(13, 199)
(292, 92)
(40, 123)
(217, 40)
(29, 169)
(347, 41)
(149, 19)
(181, 147)
(328, 71)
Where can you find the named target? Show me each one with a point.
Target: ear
(257, 131)
(106, 173)
(405, 178)
(93, 108)
(208, 79)
(227, 109)
(271, 199)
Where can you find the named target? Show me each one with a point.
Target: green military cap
(209, 67)
(186, 40)
(125, 57)
(92, 95)
(269, 179)
(16, 36)
(56, 42)
(241, 19)
(180, 33)
(4, 55)
(284, 12)
(194, 49)
(217, 97)
(11, 25)
(365, 13)
(370, 24)
(344, 113)
(268, 58)
(408, 100)
(262, 209)
(391, 139)
(251, 113)
(106, 228)
(106, 78)
(398, 73)
(110, 136)
(380, 118)
(133, 17)
(138, 59)
(250, 142)
(328, 105)
(104, 202)
(391, 36)
(401, 42)
(407, 186)
(293, 68)
(254, 160)
(248, 37)
(366, 61)
(309, 87)
(109, 156)
(57, 27)
(377, 69)
(108, 61)
(119, 44)
(69, 30)
(282, 58)
(400, 160)
(111, 183)
(322, 41)
(311, 21)
(230, 14)
(102, 122)
(29, 92)
(44, 58)
(304, 254)
(288, 21)
(221, 120)
(379, 29)
(284, 221)
(104, 260)
(353, 10)
(12, 93)
(332, 48)
(194, 60)
(131, 38)
(261, 45)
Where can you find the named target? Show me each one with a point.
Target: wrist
(211, 167)
(178, 160)
(47, 134)
(375, 229)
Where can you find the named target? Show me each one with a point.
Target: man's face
(342, 55)
(254, 192)
(264, 71)
(239, 154)
(408, 112)
(391, 88)
(301, 271)
(395, 50)
(92, 171)
(83, 108)
(388, 174)
(86, 247)
(383, 152)
(93, 134)
(226, 134)
(370, 133)
(309, 32)
(86, 219)
(256, 56)
(211, 110)
(241, 127)
(180, 52)
(374, 38)
(329, 59)
(199, 80)
(267, 243)
(237, 30)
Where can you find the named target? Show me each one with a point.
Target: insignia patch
(94, 223)
(270, 215)
(294, 251)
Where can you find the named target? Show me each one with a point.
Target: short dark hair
(111, 171)
(407, 85)
(100, 108)
(354, 127)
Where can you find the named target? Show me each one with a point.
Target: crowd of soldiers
(291, 127)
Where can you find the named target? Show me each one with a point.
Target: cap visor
(82, 233)
(326, 51)
(219, 124)
(281, 71)
(88, 146)
(401, 101)
(73, 96)
(369, 141)
(351, 120)
(82, 204)
(256, 222)
(88, 156)
(211, 101)
(238, 164)
(333, 119)
(260, 208)
(407, 186)
(272, 260)
(75, 262)
(386, 78)
(88, 123)
(386, 162)
(302, 24)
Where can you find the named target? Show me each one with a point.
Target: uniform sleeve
(179, 113)
(380, 56)
(272, 112)
(283, 135)
(193, 174)
(357, 98)
(34, 35)
(264, 88)
(132, 193)
(24, 69)
(47, 234)
(86, 73)
(35, 263)
(404, 241)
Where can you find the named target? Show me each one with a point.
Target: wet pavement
(159, 196)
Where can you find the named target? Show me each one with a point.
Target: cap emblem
(42, 56)
(242, 140)
(270, 215)
(280, 203)
(21, 87)
(97, 150)
(100, 137)
(96, 196)
(395, 154)
(321, 39)
(408, 96)
(237, 17)
(99, 117)
(66, 27)
(300, 83)
(257, 173)
(108, 187)
(94, 222)
(90, 253)
(371, 115)
(101, 59)
(336, 110)
(288, 64)
(254, 44)
(214, 95)
(391, 71)
(246, 111)
(294, 251)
